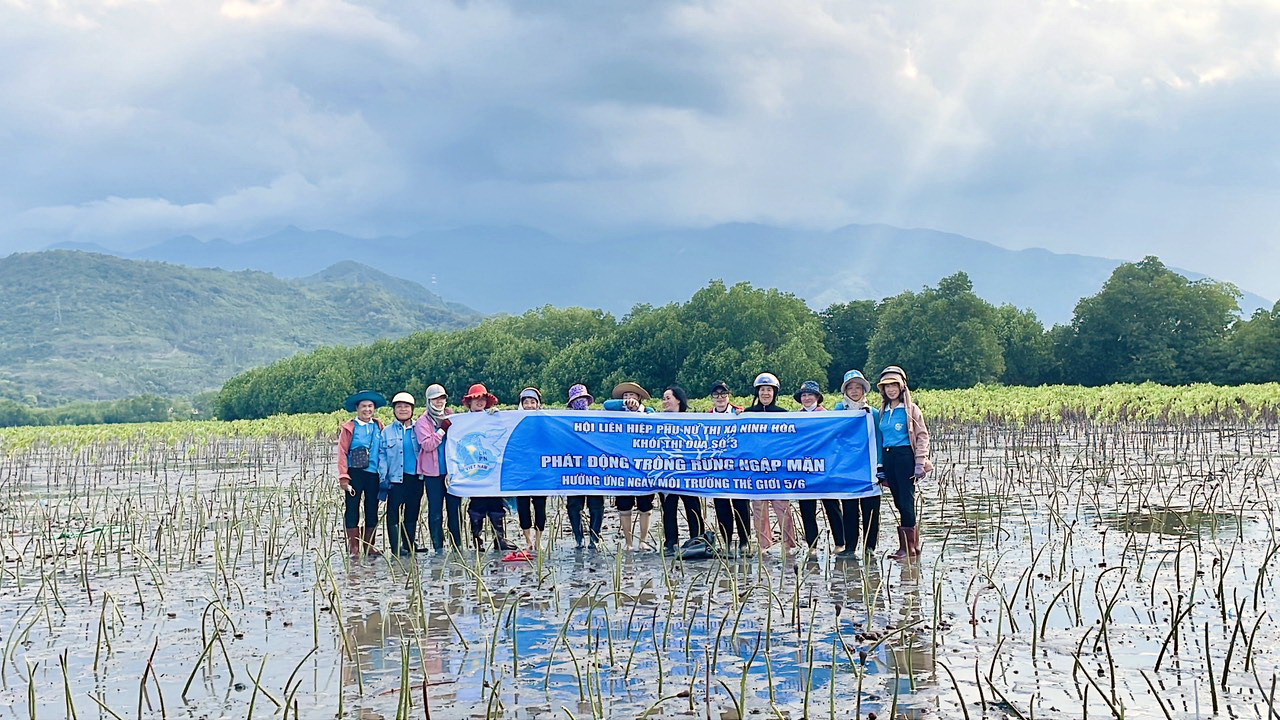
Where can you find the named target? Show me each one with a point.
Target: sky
(1117, 128)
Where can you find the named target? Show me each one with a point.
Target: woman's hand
(632, 404)
(919, 471)
(345, 484)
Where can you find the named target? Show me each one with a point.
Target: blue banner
(758, 456)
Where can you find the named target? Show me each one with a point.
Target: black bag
(358, 458)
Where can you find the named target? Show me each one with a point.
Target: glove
(490, 411)
(345, 484)
(880, 476)
(919, 470)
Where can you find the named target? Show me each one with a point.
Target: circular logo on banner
(477, 458)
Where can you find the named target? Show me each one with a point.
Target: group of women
(401, 462)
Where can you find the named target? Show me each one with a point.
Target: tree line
(1147, 323)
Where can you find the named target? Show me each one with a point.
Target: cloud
(1100, 127)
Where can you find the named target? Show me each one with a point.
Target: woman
(810, 398)
(398, 468)
(861, 515)
(736, 512)
(906, 454)
(430, 431)
(630, 397)
(580, 399)
(358, 440)
(532, 509)
(766, 388)
(675, 399)
(479, 399)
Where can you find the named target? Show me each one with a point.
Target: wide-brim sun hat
(580, 391)
(626, 387)
(434, 391)
(479, 390)
(809, 386)
(859, 378)
(892, 379)
(403, 397)
(352, 402)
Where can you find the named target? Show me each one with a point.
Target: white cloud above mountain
(1110, 128)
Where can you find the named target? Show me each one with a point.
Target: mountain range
(86, 326)
(512, 269)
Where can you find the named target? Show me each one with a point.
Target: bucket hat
(532, 392)
(855, 376)
(351, 403)
(626, 387)
(809, 386)
(479, 390)
(580, 391)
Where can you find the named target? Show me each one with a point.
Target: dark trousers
(365, 485)
(899, 474)
(734, 513)
(861, 519)
(440, 503)
(671, 513)
(809, 518)
(533, 511)
(403, 504)
(595, 508)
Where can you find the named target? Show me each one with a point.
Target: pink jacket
(428, 443)
(917, 432)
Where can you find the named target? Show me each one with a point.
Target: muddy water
(1060, 568)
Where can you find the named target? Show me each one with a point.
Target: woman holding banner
(630, 397)
(675, 399)
(479, 399)
(443, 507)
(906, 454)
(736, 512)
(810, 398)
(861, 515)
(580, 399)
(532, 509)
(766, 388)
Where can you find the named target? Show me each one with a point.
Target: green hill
(79, 325)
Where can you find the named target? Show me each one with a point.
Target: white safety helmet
(769, 379)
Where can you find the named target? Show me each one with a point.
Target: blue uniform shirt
(366, 435)
(410, 450)
(893, 427)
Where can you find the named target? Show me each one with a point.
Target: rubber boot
(393, 538)
(901, 552)
(369, 534)
(913, 541)
(500, 542)
(353, 542)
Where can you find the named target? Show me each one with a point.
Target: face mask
(580, 404)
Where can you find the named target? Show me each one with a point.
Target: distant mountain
(80, 325)
(511, 269)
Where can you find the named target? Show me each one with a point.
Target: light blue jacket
(391, 457)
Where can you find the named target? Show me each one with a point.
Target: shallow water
(210, 582)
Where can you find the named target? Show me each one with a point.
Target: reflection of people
(862, 515)
(735, 513)
(398, 468)
(630, 397)
(479, 399)
(580, 399)
(675, 399)
(906, 454)
(532, 509)
(358, 440)
(431, 429)
(810, 398)
(766, 388)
